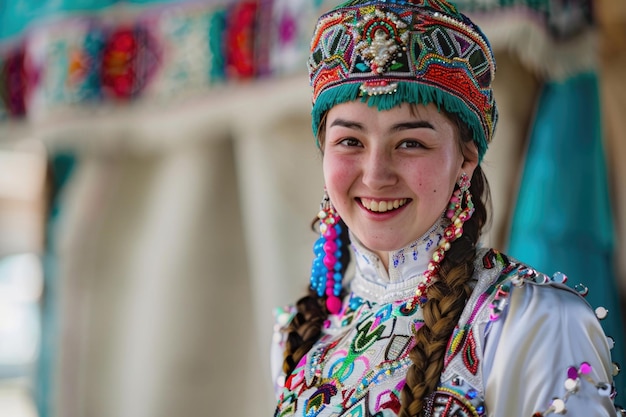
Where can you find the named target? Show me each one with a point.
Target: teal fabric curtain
(563, 220)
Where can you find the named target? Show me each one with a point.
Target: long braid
(446, 301)
(303, 330)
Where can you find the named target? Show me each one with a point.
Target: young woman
(430, 324)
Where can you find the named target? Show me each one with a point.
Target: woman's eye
(350, 142)
(410, 144)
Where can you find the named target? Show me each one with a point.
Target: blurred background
(158, 178)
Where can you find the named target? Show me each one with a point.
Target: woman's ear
(470, 158)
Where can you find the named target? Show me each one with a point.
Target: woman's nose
(379, 170)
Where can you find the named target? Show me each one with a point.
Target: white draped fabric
(174, 246)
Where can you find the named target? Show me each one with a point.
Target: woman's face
(390, 174)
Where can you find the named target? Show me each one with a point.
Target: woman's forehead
(361, 111)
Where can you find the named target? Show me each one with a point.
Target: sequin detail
(575, 377)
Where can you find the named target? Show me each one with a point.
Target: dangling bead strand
(457, 215)
(326, 271)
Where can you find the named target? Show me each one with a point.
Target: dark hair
(446, 299)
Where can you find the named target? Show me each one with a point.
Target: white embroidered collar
(375, 283)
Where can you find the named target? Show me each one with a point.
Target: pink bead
(329, 261)
(333, 304)
(330, 233)
(329, 290)
(585, 368)
(449, 214)
(330, 246)
(572, 372)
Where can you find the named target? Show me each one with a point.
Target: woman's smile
(382, 206)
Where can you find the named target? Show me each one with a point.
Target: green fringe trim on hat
(407, 92)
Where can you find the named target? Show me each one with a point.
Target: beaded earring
(459, 211)
(326, 274)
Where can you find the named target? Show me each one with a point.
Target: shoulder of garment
(529, 345)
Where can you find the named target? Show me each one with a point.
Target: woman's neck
(402, 264)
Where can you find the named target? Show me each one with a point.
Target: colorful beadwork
(389, 52)
(454, 401)
(130, 57)
(326, 273)
(13, 71)
(239, 37)
(459, 211)
(342, 368)
(159, 52)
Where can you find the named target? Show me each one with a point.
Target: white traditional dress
(524, 346)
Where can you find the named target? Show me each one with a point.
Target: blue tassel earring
(326, 273)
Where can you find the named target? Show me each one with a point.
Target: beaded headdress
(387, 52)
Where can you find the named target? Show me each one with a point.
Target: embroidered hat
(387, 52)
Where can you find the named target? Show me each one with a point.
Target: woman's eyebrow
(347, 123)
(418, 124)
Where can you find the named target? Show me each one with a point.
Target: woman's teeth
(382, 206)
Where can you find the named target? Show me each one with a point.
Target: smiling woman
(431, 323)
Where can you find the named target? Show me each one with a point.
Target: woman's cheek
(339, 175)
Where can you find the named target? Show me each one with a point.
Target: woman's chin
(378, 246)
